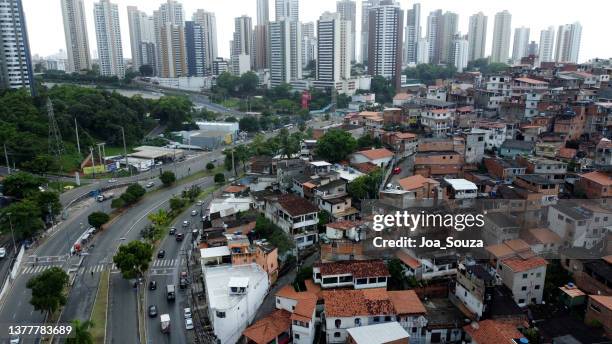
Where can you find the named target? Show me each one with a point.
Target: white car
(15, 339)
(194, 212)
(189, 324)
(150, 185)
(112, 180)
(185, 223)
(187, 313)
(2, 252)
(199, 203)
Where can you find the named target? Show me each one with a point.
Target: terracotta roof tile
(415, 182)
(348, 303)
(375, 154)
(606, 301)
(270, 327)
(296, 205)
(345, 224)
(365, 167)
(406, 302)
(358, 268)
(545, 235)
(408, 259)
(304, 309)
(566, 153)
(518, 264)
(235, 188)
(598, 177)
(491, 331)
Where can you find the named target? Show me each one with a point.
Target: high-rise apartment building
(142, 37)
(441, 30)
(413, 33)
(241, 47)
(75, 31)
(568, 43)
(333, 50)
(348, 11)
(15, 58)
(285, 51)
(366, 5)
(422, 55)
(108, 36)
(532, 49)
(208, 22)
(547, 42)
(521, 43)
(309, 43)
(287, 9)
(501, 37)
(173, 51)
(169, 13)
(477, 36)
(195, 49)
(260, 36)
(461, 48)
(385, 41)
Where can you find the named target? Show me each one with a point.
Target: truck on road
(170, 292)
(103, 197)
(164, 321)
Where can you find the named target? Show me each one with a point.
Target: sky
(46, 32)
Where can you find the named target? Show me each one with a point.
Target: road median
(99, 312)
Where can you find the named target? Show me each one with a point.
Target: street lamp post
(12, 233)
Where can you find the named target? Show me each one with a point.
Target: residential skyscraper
(169, 13)
(413, 33)
(285, 51)
(263, 12)
(460, 52)
(532, 49)
(441, 30)
(241, 48)
(108, 36)
(289, 9)
(568, 43)
(547, 41)
(260, 36)
(385, 41)
(422, 51)
(348, 11)
(75, 30)
(173, 53)
(521, 42)
(477, 36)
(366, 5)
(208, 22)
(15, 59)
(195, 49)
(309, 43)
(142, 36)
(501, 37)
(333, 50)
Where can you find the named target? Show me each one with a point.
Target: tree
(248, 82)
(97, 219)
(289, 144)
(249, 123)
(117, 203)
(324, 218)
(335, 145)
(81, 333)
(173, 111)
(21, 184)
(25, 218)
(219, 178)
(210, 166)
(397, 273)
(367, 141)
(133, 259)
(48, 290)
(160, 218)
(176, 204)
(48, 202)
(133, 194)
(242, 154)
(42, 164)
(366, 186)
(382, 88)
(167, 178)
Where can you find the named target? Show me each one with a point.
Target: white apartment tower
(413, 33)
(309, 43)
(348, 11)
(521, 43)
(285, 51)
(460, 53)
(334, 47)
(242, 45)
(142, 37)
(15, 59)
(75, 30)
(477, 36)
(287, 9)
(547, 41)
(568, 43)
(208, 22)
(422, 55)
(366, 5)
(501, 37)
(385, 41)
(441, 30)
(108, 36)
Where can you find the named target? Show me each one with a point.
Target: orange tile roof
(343, 224)
(235, 188)
(606, 301)
(531, 81)
(358, 268)
(566, 153)
(349, 303)
(375, 154)
(406, 302)
(572, 292)
(270, 327)
(304, 309)
(518, 264)
(403, 96)
(365, 167)
(545, 235)
(312, 291)
(598, 177)
(408, 259)
(405, 135)
(499, 250)
(517, 245)
(491, 331)
(415, 182)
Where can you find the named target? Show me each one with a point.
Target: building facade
(108, 36)
(75, 30)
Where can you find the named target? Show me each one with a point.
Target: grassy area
(112, 151)
(230, 103)
(98, 313)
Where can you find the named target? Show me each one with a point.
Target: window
(382, 279)
(376, 319)
(337, 323)
(297, 336)
(523, 288)
(387, 318)
(336, 334)
(220, 314)
(372, 280)
(362, 281)
(524, 276)
(521, 301)
(537, 287)
(277, 300)
(357, 322)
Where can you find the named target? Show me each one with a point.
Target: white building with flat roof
(233, 294)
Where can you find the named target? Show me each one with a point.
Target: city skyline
(44, 44)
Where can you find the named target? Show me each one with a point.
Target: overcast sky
(45, 27)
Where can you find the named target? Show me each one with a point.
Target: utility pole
(233, 162)
(12, 233)
(127, 165)
(8, 165)
(76, 129)
(93, 162)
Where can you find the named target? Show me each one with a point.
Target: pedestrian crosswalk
(164, 262)
(99, 268)
(35, 269)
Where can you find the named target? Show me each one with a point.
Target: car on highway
(194, 213)
(172, 231)
(150, 185)
(186, 223)
(199, 203)
(15, 339)
(2, 252)
(179, 236)
(188, 324)
(187, 312)
(152, 285)
(152, 311)
(112, 180)
(161, 254)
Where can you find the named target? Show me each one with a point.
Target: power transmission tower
(56, 144)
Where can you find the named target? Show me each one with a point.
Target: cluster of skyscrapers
(390, 39)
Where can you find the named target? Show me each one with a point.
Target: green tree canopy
(383, 89)
(167, 178)
(249, 123)
(22, 184)
(335, 145)
(81, 331)
(219, 178)
(25, 218)
(48, 290)
(173, 111)
(97, 219)
(133, 259)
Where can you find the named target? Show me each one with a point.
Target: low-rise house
(274, 328)
(296, 216)
(499, 227)
(548, 168)
(493, 331)
(599, 311)
(385, 333)
(512, 148)
(380, 157)
(403, 144)
(460, 189)
(547, 190)
(302, 306)
(440, 163)
(474, 288)
(444, 321)
(227, 205)
(343, 240)
(595, 184)
(505, 170)
(438, 267)
(542, 241)
(571, 295)
(525, 277)
(411, 266)
(494, 134)
(359, 274)
(421, 187)
(579, 224)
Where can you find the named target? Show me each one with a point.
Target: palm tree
(81, 332)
